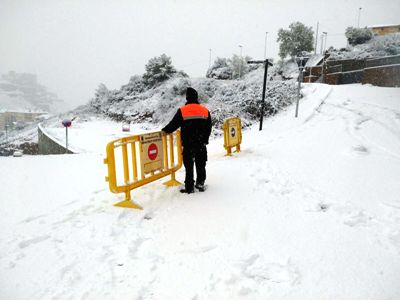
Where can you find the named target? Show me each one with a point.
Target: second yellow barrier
(140, 159)
(232, 134)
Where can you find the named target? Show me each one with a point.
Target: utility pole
(265, 46)
(300, 79)
(240, 64)
(316, 39)
(6, 133)
(326, 37)
(209, 60)
(322, 42)
(266, 63)
(323, 36)
(359, 13)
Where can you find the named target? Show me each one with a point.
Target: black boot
(200, 187)
(187, 191)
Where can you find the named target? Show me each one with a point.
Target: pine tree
(158, 69)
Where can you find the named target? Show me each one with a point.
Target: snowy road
(310, 209)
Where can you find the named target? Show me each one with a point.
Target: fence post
(173, 181)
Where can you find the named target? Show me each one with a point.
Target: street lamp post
(316, 39)
(265, 46)
(300, 80)
(240, 63)
(209, 60)
(359, 13)
(266, 63)
(323, 36)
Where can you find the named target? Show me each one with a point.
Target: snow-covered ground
(91, 135)
(310, 209)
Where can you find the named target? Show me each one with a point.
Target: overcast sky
(73, 45)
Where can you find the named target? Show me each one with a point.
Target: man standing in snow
(195, 123)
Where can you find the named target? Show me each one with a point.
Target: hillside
(23, 92)
(308, 210)
(135, 104)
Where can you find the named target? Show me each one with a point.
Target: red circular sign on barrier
(152, 152)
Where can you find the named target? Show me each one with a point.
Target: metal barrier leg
(229, 151)
(172, 181)
(127, 203)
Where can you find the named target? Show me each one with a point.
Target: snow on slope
(92, 135)
(308, 210)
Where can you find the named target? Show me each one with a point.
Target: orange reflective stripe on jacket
(194, 111)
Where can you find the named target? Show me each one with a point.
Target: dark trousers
(191, 156)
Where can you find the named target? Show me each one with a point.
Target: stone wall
(347, 64)
(388, 76)
(351, 77)
(383, 61)
(332, 78)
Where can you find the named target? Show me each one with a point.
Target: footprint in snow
(361, 149)
(394, 238)
(35, 240)
(358, 219)
(257, 269)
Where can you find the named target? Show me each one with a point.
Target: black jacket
(195, 123)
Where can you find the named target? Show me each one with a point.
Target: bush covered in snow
(387, 45)
(220, 69)
(356, 36)
(230, 68)
(135, 85)
(378, 46)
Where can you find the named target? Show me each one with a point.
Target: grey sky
(73, 45)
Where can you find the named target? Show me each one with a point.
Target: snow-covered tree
(238, 65)
(135, 85)
(230, 68)
(182, 74)
(295, 40)
(101, 96)
(356, 36)
(220, 69)
(158, 69)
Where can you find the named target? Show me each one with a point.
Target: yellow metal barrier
(232, 134)
(147, 157)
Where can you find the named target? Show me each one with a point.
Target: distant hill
(23, 92)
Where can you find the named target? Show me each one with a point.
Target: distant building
(384, 29)
(11, 118)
